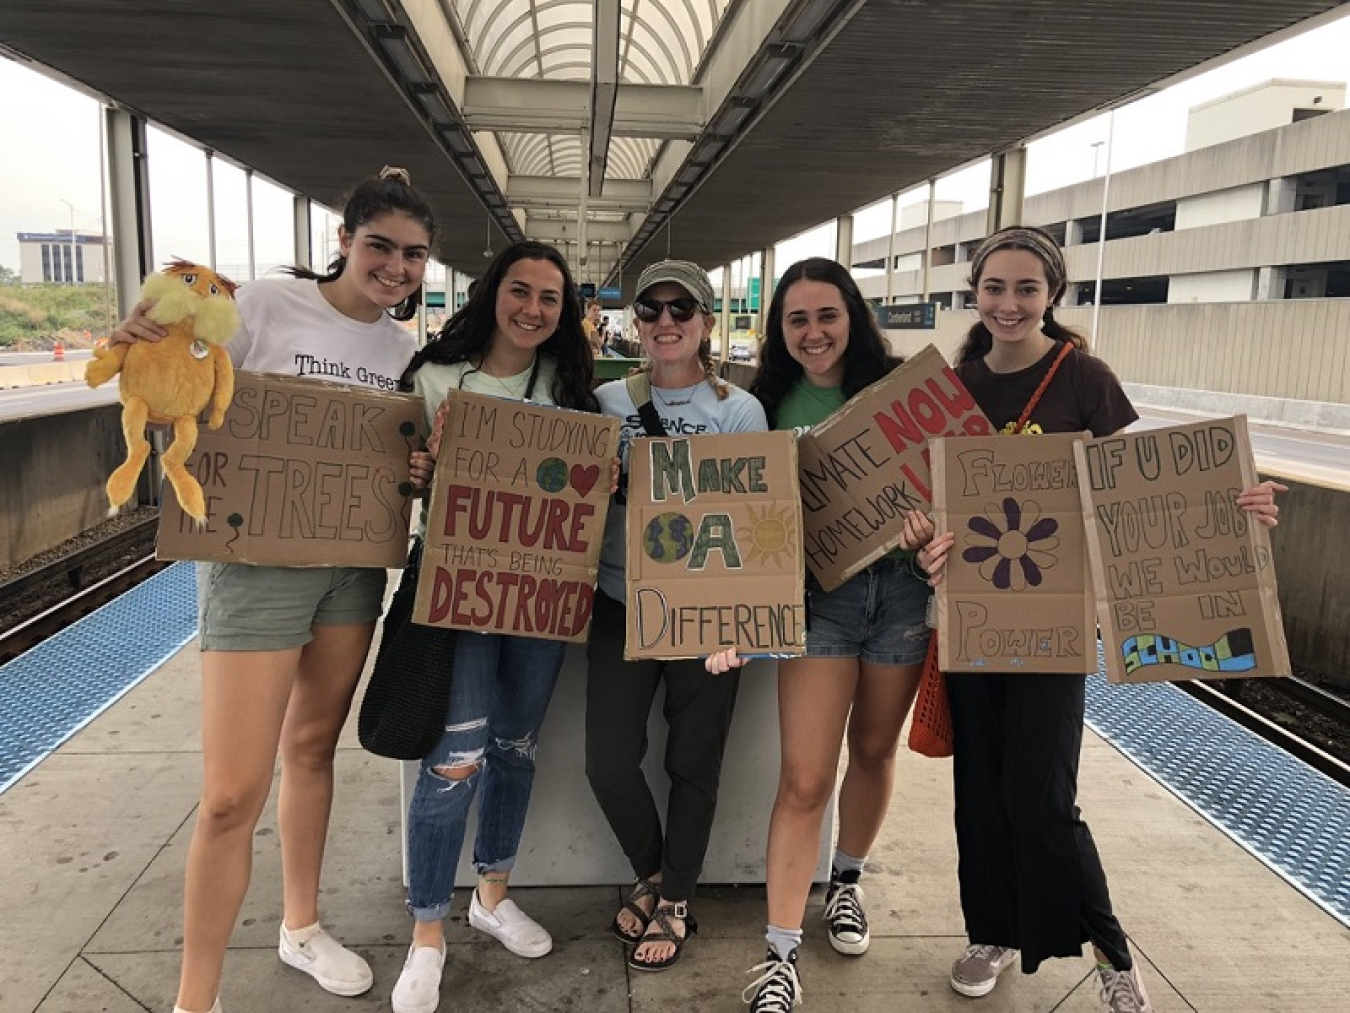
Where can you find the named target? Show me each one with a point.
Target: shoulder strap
(1064, 351)
(640, 390)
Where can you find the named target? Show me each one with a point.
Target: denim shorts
(878, 615)
(271, 608)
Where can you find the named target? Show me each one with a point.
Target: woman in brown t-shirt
(1030, 876)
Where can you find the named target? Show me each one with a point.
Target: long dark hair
(389, 192)
(866, 360)
(1041, 244)
(466, 335)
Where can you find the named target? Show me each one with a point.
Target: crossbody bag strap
(1064, 351)
(640, 390)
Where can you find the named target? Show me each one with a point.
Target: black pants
(698, 709)
(1029, 871)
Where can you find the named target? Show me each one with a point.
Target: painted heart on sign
(583, 479)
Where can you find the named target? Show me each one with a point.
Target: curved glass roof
(660, 42)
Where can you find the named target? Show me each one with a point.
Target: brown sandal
(642, 889)
(665, 933)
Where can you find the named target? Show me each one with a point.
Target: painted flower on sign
(1012, 544)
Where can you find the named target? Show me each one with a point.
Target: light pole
(70, 268)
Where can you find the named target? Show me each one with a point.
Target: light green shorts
(272, 608)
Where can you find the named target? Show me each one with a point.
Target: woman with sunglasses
(674, 320)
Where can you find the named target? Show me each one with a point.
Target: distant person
(1030, 876)
(283, 647)
(865, 644)
(519, 337)
(591, 325)
(666, 841)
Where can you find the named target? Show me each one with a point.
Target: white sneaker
(418, 989)
(516, 930)
(336, 968)
(976, 971)
(215, 1007)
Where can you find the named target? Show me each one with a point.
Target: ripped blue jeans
(498, 697)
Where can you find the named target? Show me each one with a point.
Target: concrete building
(70, 258)
(1226, 268)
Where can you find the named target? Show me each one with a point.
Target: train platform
(1227, 861)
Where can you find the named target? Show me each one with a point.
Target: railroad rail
(1291, 743)
(71, 567)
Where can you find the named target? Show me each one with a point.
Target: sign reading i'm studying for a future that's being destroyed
(714, 547)
(517, 511)
(302, 473)
(866, 466)
(1016, 596)
(1184, 584)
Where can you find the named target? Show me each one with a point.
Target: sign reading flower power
(1184, 583)
(302, 473)
(517, 511)
(1016, 597)
(715, 547)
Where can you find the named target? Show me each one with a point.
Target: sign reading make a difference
(517, 511)
(1184, 581)
(302, 473)
(714, 547)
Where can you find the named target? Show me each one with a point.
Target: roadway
(33, 358)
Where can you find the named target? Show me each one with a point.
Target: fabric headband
(1034, 240)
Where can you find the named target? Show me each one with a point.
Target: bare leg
(330, 667)
(814, 696)
(244, 697)
(884, 696)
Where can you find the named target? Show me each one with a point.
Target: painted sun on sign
(768, 532)
(1012, 544)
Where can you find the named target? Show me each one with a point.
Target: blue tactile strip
(1292, 818)
(51, 692)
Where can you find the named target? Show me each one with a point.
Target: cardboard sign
(302, 473)
(715, 547)
(517, 513)
(1016, 597)
(866, 466)
(1184, 583)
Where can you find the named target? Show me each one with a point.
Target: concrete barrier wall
(1314, 581)
(42, 373)
(55, 469)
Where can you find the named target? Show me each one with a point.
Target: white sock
(298, 937)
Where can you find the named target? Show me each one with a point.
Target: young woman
(865, 643)
(1030, 876)
(674, 318)
(282, 648)
(519, 336)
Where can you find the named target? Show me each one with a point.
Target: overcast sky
(49, 161)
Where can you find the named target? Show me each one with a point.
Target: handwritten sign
(1184, 584)
(1016, 597)
(517, 510)
(866, 466)
(302, 473)
(714, 547)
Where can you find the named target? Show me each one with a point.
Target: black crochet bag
(403, 712)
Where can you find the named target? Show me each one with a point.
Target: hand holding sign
(1259, 501)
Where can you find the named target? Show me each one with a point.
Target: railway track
(1278, 735)
(69, 584)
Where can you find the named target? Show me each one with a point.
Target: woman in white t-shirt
(519, 337)
(283, 647)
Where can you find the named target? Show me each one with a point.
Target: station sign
(919, 316)
(611, 294)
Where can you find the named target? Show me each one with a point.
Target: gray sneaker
(1123, 991)
(976, 971)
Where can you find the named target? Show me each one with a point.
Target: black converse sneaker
(777, 989)
(845, 915)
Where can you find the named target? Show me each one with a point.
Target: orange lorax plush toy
(173, 380)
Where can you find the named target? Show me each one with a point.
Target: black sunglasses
(682, 309)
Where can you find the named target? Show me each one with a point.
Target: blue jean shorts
(878, 615)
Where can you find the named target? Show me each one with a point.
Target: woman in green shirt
(865, 642)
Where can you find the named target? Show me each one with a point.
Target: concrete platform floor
(93, 843)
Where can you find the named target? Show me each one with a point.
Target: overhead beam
(604, 91)
(534, 106)
(558, 230)
(561, 191)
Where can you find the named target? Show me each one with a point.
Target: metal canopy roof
(711, 128)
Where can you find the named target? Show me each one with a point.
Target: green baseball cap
(689, 276)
